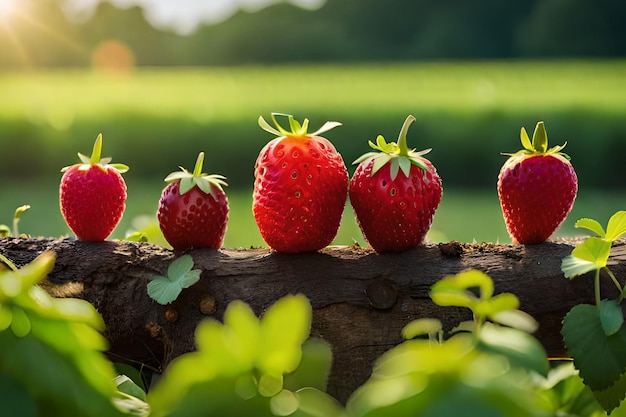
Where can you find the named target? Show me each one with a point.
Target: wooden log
(361, 300)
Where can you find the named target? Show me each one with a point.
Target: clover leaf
(165, 289)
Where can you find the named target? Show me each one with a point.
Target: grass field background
(157, 119)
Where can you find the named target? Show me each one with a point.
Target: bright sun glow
(7, 9)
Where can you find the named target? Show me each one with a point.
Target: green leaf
(540, 138)
(521, 349)
(165, 289)
(316, 403)
(611, 316)
(405, 165)
(590, 255)
(314, 368)
(599, 358)
(454, 290)
(20, 324)
(616, 227)
(496, 304)
(284, 403)
(526, 144)
(516, 319)
(325, 128)
(270, 385)
(127, 386)
(284, 327)
(611, 397)
(379, 162)
(421, 327)
(592, 225)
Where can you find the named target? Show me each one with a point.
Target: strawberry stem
(97, 150)
(403, 149)
(197, 170)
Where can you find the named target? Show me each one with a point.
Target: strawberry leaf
(521, 349)
(165, 289)
(421, 327)
(611, 397)
(616, 227)
(540, 138)
(611, 316)
(592, 225)
(297, 129)
(188, 180)
(590, 255)
(598, 357)
(526, 144)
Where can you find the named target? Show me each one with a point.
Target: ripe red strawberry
(300, 188)
(193, 209)
(395, 193)
(92, 195)
(537, 187)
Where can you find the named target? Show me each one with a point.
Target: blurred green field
(464, 215)
(157, 119)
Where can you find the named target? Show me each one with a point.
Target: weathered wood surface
(361, 300)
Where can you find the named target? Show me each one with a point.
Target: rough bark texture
(361, 300)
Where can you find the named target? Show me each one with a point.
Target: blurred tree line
(340, 31)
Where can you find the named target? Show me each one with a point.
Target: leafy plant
(50, 351)
(165, 289)
(241, 367)
(483, 369)
(5, 230)
(595, 335)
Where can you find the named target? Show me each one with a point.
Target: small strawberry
(193, 209)
(300, 188)
(395, 193)
(92, 195)
(537, 187)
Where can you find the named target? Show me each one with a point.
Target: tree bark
(361, 300)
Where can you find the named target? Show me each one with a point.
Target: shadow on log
(361, 300)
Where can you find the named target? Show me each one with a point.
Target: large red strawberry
(193, 209)
(537, 187)
(300, 188)
(394, 193)
(92, 195)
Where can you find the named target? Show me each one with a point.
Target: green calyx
(296, 129)
(539, 143)
(204, 181)
(95, 159)
(397, 154)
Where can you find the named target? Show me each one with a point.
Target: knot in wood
(171, 314)
(208, 305)
(381, 294)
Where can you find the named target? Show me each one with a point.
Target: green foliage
(242, 363)
(180, 275)
(595, 336)
(4, 229)
(249, 366)
(50, 350)
(488, 371)
(468, 110)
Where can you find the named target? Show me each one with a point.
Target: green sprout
(165, 289)
(595, 335)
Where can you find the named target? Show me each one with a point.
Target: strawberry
(92, 195)
(193, 209)
(300, 188)
(537, 187)
(394, 193)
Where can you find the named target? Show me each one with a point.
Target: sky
(184, 16)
